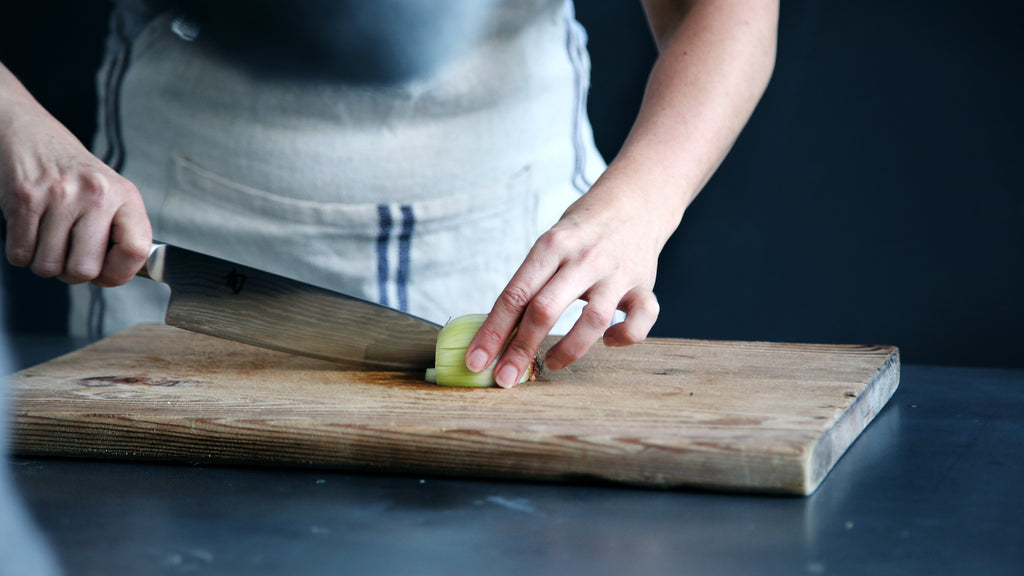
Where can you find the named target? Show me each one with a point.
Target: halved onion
(450, 356)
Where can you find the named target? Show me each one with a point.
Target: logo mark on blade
(235, 281)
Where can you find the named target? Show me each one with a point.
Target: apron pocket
(435, 258)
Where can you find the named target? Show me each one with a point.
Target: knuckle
(556, 240)
(654, 309)
(22, 200)
(594, 317)
(489, 337)
(47, 269)
(588, 253)
(76, 272)
(633, 332)
(518, 352)
(516, 297)
(653, 306)
(649, 304)
(136, 252)
(544, 310)
(95, 192)
(18, 256)
(62, 190)
(93, 182)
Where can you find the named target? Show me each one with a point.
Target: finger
(86, 249)
(595, 319)
(642, 309)
(22, 234)
(52, 242)
(540, 316)
(131, 237)
(535, 272)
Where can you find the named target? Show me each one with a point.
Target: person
(436, 158)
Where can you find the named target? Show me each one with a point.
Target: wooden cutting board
(737, 416)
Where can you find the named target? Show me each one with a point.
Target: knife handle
(154, 266)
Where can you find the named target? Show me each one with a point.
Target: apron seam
(575, 47)
(115, 152)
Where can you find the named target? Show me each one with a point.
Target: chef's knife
(228, 300)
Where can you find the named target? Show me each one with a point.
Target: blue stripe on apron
(404, 244)
(383, 239)
(386, 230)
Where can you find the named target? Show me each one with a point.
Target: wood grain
(738, 416)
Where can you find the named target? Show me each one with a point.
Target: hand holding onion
(603, 250)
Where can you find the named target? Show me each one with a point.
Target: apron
(423, 195)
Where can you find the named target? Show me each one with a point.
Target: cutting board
(735, 416)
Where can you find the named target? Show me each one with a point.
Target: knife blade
(220, 298)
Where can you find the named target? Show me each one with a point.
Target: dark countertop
(935, 485)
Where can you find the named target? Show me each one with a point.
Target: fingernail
(507, 376)
(477, 360)
(552, 364)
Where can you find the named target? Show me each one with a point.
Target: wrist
(15, 101)
(650, 186)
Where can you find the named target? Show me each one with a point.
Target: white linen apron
(423, 195)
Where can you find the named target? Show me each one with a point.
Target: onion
(450, 356)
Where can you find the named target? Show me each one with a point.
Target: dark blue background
(874, 198)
